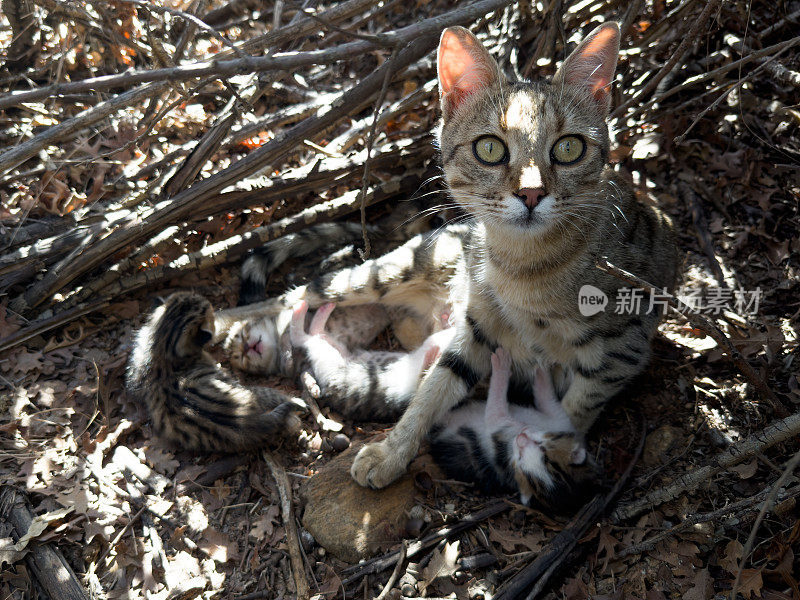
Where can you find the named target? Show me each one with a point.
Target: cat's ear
(464, 67)
(592, 64)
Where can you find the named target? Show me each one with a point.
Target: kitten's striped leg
(462, 365)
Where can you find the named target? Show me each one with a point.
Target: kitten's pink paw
(320, 318)
(297, 331)
(501, 360)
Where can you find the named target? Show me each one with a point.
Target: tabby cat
(528, 161)
(193, 402)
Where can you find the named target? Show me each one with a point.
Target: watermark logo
(630, 301)
(591, 300)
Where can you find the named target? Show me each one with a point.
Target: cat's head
(527, 156)
(181, 327)
(253, 345)
(553, 469)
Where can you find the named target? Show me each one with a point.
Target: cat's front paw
(376, 466)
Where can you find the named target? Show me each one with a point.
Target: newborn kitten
(365, 385)
(262, 346)
(536, 451)
(192, 401)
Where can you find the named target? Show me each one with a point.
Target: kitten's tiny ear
(578, 455)
(464, 67)
(592, 64)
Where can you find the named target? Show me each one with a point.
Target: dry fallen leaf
(443, 564)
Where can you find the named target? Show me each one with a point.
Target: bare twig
(390, 69)
(71, 127)
(776, 433)
(684, 47)
(735, 508)
(765, 507)
(292, 539)
(396, 573)
(379, 563)
(399, 38)
(181, 206)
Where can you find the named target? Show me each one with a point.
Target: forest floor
(115, 193)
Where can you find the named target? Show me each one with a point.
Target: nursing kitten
(193, 402)
(528, 162)
(366, 385)
(498, 446)
(535, 451)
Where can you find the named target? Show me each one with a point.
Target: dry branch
(379, 563)
(181, 206)
(68, 129)
(776, 433)
(292, 539)
(47, 562)
(684, 47)
(235, 247)
(401, 38)
(731, 511)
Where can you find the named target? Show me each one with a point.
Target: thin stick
(181, 206)
(700, 322)
(680, 52)
(390, 68)
(731, 509)
(292, 540)
(768, 503)
(396, 573)
(14, 157)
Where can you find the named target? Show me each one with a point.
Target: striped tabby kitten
(338, 242)
(528, 161)
(535, 451)
(192, 401)
(364, 385)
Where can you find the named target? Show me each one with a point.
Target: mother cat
(528, 161)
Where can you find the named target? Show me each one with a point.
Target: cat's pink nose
(530, 196)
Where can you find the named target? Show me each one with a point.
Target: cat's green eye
(490, 150)
(568, 149)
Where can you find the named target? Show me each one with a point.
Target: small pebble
(307, 541)
(340, 442)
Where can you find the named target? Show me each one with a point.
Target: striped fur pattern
(362, 385)
(533, 451)
(337, 242)
(513, 274)
(193, 402)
